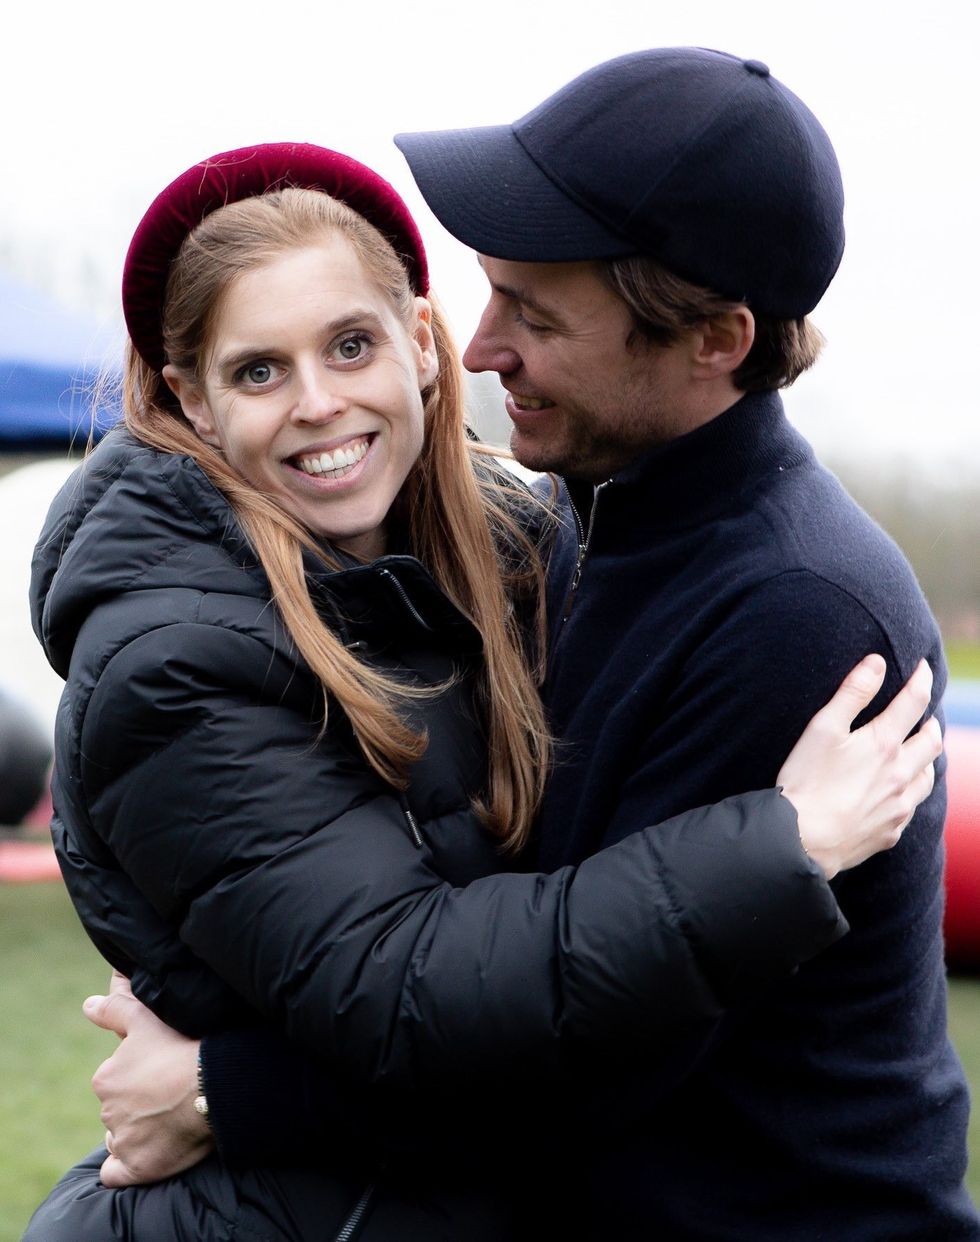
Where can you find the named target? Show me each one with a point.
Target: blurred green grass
(48, 1115)
(964, 659)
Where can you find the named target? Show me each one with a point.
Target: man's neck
(703, 408)
(708, 402)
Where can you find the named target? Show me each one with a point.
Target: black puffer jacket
(230, 862)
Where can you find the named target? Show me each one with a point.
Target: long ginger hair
(467, 519)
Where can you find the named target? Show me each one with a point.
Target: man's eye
(529, 324)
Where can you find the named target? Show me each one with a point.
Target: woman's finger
(922, 749)
(921, 787)
(896, 721)
(855, 693)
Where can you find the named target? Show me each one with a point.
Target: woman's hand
(147, 1090)
(855, 792)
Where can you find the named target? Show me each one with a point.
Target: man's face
(584, 402)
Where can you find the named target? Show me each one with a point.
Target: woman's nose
(319, 399)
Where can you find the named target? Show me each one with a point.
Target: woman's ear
(193, 403)
(427, 361)
(723, 342)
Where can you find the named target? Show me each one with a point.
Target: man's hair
(665, 306)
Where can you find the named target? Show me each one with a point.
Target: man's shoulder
(809, 540)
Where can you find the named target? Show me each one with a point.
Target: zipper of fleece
(584, 539)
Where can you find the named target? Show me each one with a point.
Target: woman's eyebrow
(237, 354)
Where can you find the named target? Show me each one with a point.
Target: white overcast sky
(104, 102)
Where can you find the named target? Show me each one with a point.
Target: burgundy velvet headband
(246, 173)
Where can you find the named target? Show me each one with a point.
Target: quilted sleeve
(291, 871)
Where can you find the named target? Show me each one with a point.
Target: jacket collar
(368, 602)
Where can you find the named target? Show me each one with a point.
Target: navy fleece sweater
(728, 585)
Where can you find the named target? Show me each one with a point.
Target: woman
(296, 610)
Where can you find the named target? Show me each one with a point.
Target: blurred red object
(962, 923)
(27, 862)
(40, 816)
(31, 860)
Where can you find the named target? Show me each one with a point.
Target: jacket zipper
(404, 597)
(352, 1223)
(584, 539)
(413, 824)
(410, 819)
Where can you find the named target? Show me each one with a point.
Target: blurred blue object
(962, 703)
(50, 362)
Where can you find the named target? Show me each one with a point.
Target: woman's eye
(352, 348)
(257, 373)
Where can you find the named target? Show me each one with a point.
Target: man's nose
(490, 348)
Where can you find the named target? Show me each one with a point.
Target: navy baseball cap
(697, 158)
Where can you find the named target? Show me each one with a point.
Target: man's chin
(536, 453)
(542, 458)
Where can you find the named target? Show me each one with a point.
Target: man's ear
(427, 359)
(193, 403)
(723, 343)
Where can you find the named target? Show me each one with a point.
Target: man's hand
(147, 1090)
(856, 792)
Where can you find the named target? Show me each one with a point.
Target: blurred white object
(522, 472)
(25, 495)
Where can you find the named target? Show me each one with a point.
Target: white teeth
(340, 459)
(530, 403)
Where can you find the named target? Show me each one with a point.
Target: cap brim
(483, 187)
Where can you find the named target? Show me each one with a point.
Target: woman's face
(312, 390)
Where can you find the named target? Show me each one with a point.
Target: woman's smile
(332, 465)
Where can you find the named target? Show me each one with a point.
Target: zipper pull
(412, 822)
(579, 564)
(573, 585)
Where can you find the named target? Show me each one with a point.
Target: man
(654, 236)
